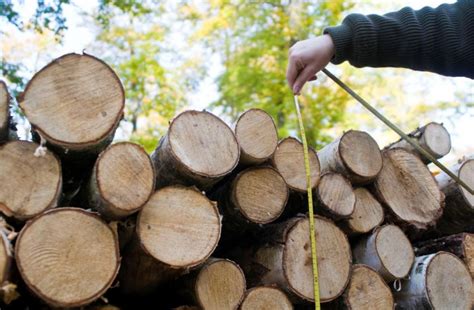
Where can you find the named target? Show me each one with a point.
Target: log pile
(216, 217)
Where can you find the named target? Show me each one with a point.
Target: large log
(355, 155)
(198, 149)
(336, 196)
(68, 257)
(122, 181)
(368, 214)
(257, 136)
(408, 190)
(288, 159)
(459, 208)
(4, 111)
(387, 250)
(75, 103)
(437, 281)
(461, 245)
(177, 229)
(266, 297)
(433, 137)
(285, 259)
(29, 184)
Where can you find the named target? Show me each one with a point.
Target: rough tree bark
(4, 112)
(336, 196)
(8, 292)
(198, 149)
(266, 297)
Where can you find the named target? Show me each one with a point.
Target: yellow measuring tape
(317, 301)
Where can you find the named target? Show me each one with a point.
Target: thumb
(302, 78)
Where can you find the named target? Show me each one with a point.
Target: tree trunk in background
(336, 196)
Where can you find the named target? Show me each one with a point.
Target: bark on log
(257, 136)
(459, 208)
(4, 111)
(388, 251)
(408, 190)
(177, 229)
(355, 155)
(198, 149)
(288, 159)
(366, 290)
(30, 184)
(122, 181)
(75, 103)
(336, 196)
(437, 281)
(68, 257)
(461, 245)
(266, 297)
(8, 292)
(368, 214)
(286, 259)
(433, 137)
(218, 285)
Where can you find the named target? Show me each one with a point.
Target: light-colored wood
(459, 208)
(68, 257)
(4, 111)
(288, 159)
(199, 149)
(387, 250)
(177, 229)
(8, 291)
(122, 181)
(409, 191)
(367, 290)
(368, 213)
(257, 136)
(266, 298)
(355, 155)
(437, 281)
(29, 184)
(433, 137)
(75, 102)
(335, 195)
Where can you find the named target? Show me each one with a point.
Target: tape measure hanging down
(314, 259)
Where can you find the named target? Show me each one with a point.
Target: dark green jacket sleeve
(438, 39)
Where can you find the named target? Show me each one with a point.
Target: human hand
(306, 58)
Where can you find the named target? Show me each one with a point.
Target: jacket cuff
(342, 37)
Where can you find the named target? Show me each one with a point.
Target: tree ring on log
(266, 297)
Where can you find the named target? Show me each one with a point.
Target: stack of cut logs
(216, 217)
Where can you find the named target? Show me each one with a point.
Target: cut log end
(466, 173)
(436, 139)
(29, 184)
(408, 189)
(125, 179)
(4, 111)
(368, 213)
(257, 136)
(179, 227)
(75, 85)
(367, 290)
(334, 260)
(260, 194)
(68, 257)
(336, 195)
(289, 161)
(266, 298)
(220, 285)
(469, 253)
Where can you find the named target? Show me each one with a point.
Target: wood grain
(336, 196)
(266, 298)
(368, 213)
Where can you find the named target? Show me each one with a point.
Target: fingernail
(296, 89)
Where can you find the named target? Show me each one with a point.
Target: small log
(198, 149)
(288, 159)
(29, 184)
(257, 136)
(433, 137)
(366, 290)
(336, 196)
(285, 259)
(387, 250)
(266, 297)
(4, 111)
(218, 285)
(368, 214)
(461, 245)
(355, 155)
(75, 103)
(122, 181)
(459, 208)
(437, 281)
(408, 190)
(177, 229)
(68, 257)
